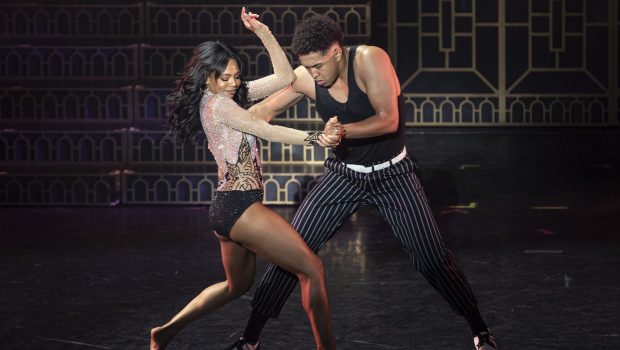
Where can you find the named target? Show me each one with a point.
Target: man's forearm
(275, 104)
(374, 126)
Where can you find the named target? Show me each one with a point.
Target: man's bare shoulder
(369, 54)
(371, 62)
(371, 59)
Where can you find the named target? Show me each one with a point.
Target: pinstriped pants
(398, 195)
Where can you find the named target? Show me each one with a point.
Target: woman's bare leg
(266, 233)
(240, 265)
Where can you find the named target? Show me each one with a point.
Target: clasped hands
(334, 131)
(332, 134)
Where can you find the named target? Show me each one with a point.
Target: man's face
(323, 67)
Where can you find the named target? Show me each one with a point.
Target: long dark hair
(183, 104)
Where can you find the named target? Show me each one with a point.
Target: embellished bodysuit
(231, 130)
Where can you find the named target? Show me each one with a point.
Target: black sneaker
(485, 341)
(243, 344)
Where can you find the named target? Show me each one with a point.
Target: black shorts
(228, 206)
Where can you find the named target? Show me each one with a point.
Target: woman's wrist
(313, 137)
(262, 31)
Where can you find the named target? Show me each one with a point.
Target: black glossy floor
(537, 235)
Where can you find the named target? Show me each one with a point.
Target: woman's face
(323, 67)
(228, 82)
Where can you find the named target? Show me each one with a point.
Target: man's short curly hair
(316, 34)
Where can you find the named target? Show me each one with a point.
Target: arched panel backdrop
(82, 97)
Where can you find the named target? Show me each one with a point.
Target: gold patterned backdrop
(82, 96)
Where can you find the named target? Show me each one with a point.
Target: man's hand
(332, 134)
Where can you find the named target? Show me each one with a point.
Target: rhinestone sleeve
(283, 72)
(227, 112)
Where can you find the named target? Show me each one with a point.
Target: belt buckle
(381, 165)
(371, 168)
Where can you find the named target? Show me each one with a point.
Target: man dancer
(360, 87)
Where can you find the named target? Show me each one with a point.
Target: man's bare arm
(284, 99)
(382, 87)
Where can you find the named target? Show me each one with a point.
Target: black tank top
(366, 151)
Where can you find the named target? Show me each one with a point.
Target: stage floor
(540, 246)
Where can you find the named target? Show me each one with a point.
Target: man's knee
(431, 265)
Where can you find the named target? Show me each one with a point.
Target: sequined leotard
(231, 130)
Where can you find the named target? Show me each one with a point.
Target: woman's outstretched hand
(250, 21)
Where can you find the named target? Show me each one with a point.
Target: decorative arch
(145, 147)
(104, 23)
(140, 191)
(537, 111)
(125, 23)
(517, 112)
(50, 106)
(20, 22)
(98, 65)
(107, 150)
(226, 22)
(71, 105)
(86, 148)
(467, 111)
(162, 191)
(184, 191)
(272, 190)
(41, 23)
(76, 64)
(79, 192)
(205, 22)
(162, 22)
(35, 192)
(21, 149)
(57, 192)
(447, 112)
(428, 111)
(63, 23)
(121, 67)
(184, 22)
(92, 107)
(577, 112)
(113, 107)
(205, 190)
(84, 25)
(558, 113)
(293, 191)
(64, 150)
(43, 149)
(353, 23)
(35, 64)
(55, 65)
(101, 192)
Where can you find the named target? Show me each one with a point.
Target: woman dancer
(212, 93)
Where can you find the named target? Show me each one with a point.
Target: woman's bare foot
(159, 339)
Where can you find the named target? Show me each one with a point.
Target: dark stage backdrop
(84, 83)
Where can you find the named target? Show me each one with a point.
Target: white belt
(369, 169)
